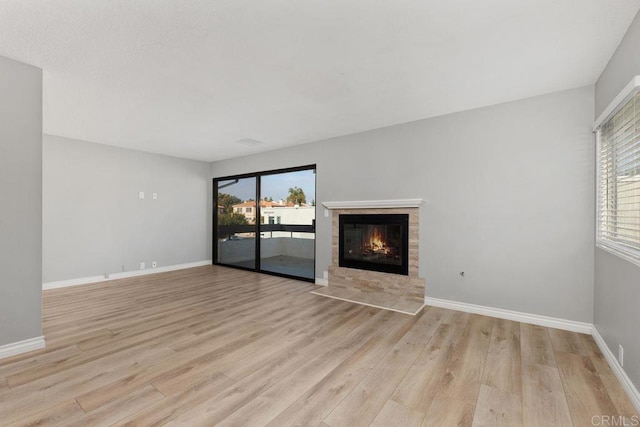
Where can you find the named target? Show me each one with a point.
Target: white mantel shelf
(374, 204)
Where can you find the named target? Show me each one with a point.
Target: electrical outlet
(155, 196)
(325, 275)
(621, 354)
(142, 266)
(154, 264)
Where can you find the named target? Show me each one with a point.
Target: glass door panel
(235, 222)
(287, 223)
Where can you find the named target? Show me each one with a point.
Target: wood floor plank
(462, 376)
(51, 391)
(420, 385)
(211, 351)
(586, 394)
(396, 415)
(69, 340)
(596, 356)
(267, 405)
(224, 404)
(213, 345)
(543, 400)
(567, 341)
(496, 407)
(102, 395)
(338, 330)
(60, 415)
(446, 411)
(178, 379)
(311, 342)
(324, 396)
(620, 400)
(362, 405)
(361, 330)
(168, 409)
(535, 345)
(502, 369)
(254, 387)
(50, 368)
(58, 356)
(610, 381)
(127, 405)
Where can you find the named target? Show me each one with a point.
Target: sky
(275, 186)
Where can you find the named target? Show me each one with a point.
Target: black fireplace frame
(375, 219)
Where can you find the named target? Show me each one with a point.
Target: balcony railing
(229, 230)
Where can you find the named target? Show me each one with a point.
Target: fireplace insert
(378, 242)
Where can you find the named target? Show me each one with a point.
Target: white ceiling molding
(375, 204)
(618, 102)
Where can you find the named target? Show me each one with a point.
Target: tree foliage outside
(296, 196)
(232, 218)
(226, 215)
(226, 201)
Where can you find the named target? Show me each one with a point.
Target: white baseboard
(632, 391)
(322, 282)
(535, 319)
(125, 274)
(20, 347)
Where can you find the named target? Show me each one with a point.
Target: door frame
(258, 176)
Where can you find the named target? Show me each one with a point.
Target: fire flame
(375, 241)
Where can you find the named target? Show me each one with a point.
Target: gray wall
(20, 201)
(617, 281)
(94, 223)
(623, 65)
(508, 190)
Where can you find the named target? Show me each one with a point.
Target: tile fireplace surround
(395, 292)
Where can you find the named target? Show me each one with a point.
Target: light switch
(326, 213)
(141, 195)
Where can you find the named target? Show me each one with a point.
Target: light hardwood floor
(218, 346)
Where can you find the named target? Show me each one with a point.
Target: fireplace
(378, 242)
(369, 240)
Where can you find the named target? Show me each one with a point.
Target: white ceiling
(190, 78)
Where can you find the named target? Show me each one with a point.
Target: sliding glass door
(265, 222)
(235, 222)
(287, 226)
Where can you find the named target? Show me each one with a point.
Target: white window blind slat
(619, 179)
(621, 152)
(620, 149)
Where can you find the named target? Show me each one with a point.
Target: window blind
(619, 179)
